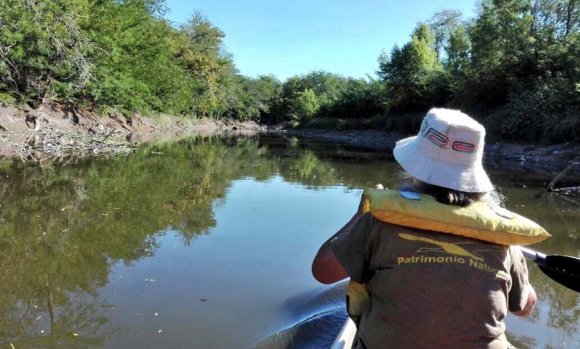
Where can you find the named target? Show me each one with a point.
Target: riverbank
(56, 133)
(552, 158)
(48, 132)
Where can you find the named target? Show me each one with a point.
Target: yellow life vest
(479, 220)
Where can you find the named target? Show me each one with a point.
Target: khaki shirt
(429, 289)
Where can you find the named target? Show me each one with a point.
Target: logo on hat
(463, 146)
(436, 137)
(441, 140)
(455, 160)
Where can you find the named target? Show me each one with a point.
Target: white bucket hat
(447, 152)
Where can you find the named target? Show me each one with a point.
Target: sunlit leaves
(410, 72)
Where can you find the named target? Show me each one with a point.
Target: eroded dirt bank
(47, 132)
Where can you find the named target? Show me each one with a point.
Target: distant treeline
(515, 67)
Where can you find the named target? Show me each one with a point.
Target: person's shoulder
(372, 223)
(367, 217)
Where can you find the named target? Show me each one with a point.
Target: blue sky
(288, 38)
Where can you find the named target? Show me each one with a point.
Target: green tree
(359, 99)
(412, 74)
(251, 99)
(524, 68)
(502, 49)
(133, 68)
(442, 24)
(266, 90)
(558, 17)
(43, 51)
(305, 105)
(201, 54)
(113, 54)
(458, 60)
(326, 87)
(458, 51)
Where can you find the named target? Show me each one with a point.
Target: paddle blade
(563, 269)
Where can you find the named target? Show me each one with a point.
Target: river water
(208, 242)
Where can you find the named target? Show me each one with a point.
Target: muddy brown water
(207, 243)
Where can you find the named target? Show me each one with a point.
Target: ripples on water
(321, 316)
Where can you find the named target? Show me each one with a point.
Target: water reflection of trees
(325, 164)
(553, 211)
(62, 229)
(559, 216)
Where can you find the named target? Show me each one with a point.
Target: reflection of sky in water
(205, 256)
(537, 332)
(229, 289)
(556, 321)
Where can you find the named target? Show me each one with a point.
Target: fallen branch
(52, 144)
(559, 177)
(568, 190)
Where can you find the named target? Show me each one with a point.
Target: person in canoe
(434, 263)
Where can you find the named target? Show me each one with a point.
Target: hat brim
(472, 178)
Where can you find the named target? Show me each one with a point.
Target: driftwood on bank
(567, 190)
(53, 144)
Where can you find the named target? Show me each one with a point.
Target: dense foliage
(121, 55)
(515, 66)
